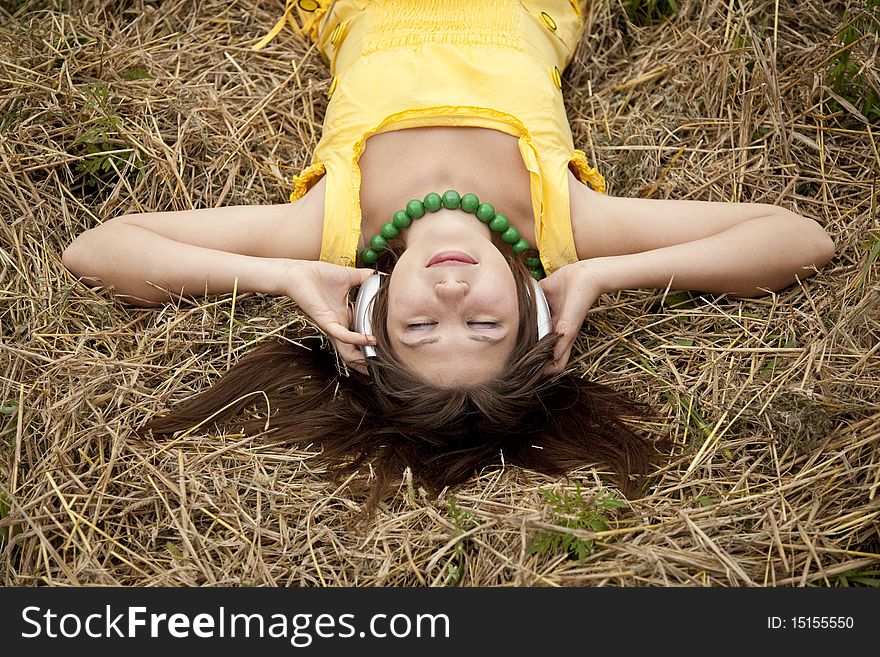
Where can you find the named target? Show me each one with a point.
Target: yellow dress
(399, 64)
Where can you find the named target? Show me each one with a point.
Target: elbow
(816, 246)
(826, 249)
(83, 256)
(822, 246)
(75, 256)
(86, 254)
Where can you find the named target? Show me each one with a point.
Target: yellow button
(548, 20)
(332, 88)
(557, 77)
(308, 5)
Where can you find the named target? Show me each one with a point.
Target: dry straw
(772, 404)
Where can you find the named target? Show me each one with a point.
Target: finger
(571, 315)
(555, 367)
(562, 350)
(342, 334)
(359, 275)
(352, 357)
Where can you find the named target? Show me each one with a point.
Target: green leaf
(6, 532)
(681, 300)
(705, 500)
(611, 501)
(872, 257)
(867, 581)
(136, 73)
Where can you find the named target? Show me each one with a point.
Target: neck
(396, 167)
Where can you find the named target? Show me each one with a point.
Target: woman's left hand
(571, 291)
(321, 290)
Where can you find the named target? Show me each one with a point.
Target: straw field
(772, 406)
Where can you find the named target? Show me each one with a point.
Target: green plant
(9, 416)
(463, 521)
(572, 511)
(70, 41)
(860, 578)
(872, 247)
(23, 7)
(679, 300)
(8, 531)
(788, 340)
(851, 74)
(102, 149)
(650, 12)
(136, 73)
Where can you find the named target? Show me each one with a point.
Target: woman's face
(453, 315)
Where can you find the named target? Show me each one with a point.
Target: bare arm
(199, 251)
(743, 249)
(766, 253)
(739, 249)
(271, 249)
(140, 265)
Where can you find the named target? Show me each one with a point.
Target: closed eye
(425, 326)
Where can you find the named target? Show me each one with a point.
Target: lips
(451, 259)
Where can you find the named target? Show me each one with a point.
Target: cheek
(402, 302)
(504, 288)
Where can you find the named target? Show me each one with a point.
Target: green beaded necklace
(451, 200)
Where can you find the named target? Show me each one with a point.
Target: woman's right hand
(571, 290)
(321, 291)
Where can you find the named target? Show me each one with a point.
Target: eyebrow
(477, 338)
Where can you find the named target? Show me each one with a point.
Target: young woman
(447, 161)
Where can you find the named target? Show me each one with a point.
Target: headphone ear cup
(363, 309)
(543, 310)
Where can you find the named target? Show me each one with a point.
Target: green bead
(368, 256)
(485, 212)
(389, 231)
(433, 202)
(510, 236)
(521, 246)
(451, 199)
(537, 274)
(379, 243)
(534, 262)
(415, 208)
(499, 224)
(401, 219)
(470, 202)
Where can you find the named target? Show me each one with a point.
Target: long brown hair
(393, 419)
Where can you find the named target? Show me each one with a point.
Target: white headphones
(366, 296)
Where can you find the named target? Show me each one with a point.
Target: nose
(451, 291)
